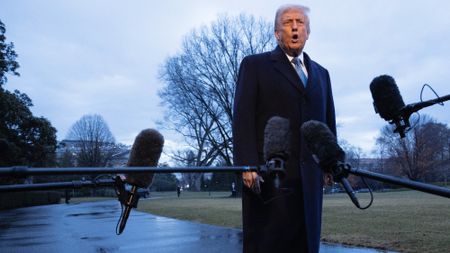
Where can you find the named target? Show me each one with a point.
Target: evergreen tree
(24, 139)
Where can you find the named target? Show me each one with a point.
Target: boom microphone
(388, 102)
(323, 145)
(146, 151)
(276, 148)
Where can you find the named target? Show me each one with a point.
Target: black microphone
(146, 150)
(388, 102)
(331, 158)
(276, 148)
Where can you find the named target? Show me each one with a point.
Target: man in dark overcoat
(270, 84)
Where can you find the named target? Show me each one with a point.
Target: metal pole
(56, 185)
(423, 187)
(20, 171)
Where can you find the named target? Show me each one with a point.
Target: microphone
(388, 102)
(331, 158)
(146, 150)
(276, 148)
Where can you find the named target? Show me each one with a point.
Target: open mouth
(295, 38)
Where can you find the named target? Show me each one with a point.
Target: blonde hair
(282, 9)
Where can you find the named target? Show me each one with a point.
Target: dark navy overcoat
(287, 219)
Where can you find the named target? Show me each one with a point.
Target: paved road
(90, 227)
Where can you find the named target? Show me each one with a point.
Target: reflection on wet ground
(90, 227)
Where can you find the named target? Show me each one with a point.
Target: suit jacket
(288, 219)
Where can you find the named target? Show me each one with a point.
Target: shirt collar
(300, 56)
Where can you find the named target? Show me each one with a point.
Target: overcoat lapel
(282, 65)
(312, 74)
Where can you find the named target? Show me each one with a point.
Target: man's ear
(277, 35)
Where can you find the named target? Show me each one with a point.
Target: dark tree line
(8, 63)
(422, 155)
(24, 138)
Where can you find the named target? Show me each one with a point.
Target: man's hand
(327, 179)
(249, 178)
(252, 180)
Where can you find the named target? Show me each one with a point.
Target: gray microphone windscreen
(322, 143)
(146, 150)
(277, 137)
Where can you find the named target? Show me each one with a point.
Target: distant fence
(24, 199)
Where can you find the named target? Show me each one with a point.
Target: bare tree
(192, 179)
(94, 142)
(353, 156)
(423, 151)
(200, 84)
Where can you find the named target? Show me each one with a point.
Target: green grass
(215, 209)
(406, 221)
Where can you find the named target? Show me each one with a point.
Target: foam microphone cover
(277, 138)
(322, 143)
(386, 97)
(146, 150)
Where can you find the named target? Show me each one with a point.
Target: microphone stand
(411, 108)
(342, 171)
(418, 186)
(24, 171)
(340, 175)
(403, 122)
(129, 199)
(57, 185)
(274, 168)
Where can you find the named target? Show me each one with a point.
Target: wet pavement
(90, 227)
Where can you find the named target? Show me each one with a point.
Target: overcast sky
(103, 57)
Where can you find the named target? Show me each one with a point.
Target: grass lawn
(406, 221)
(216, 209)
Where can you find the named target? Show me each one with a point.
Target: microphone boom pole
(418, 186)
(411, 108)
(402, 123)
(22, 172)
(57, 185)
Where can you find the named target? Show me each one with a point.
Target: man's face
(291, 31)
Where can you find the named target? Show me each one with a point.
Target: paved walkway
(90, 227)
